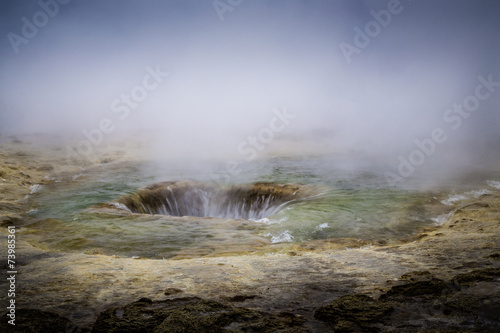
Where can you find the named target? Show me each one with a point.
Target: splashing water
(494, 184)
(185, 198)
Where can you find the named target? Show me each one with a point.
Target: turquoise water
(355, 203)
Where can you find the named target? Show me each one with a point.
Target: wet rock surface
(354, 312)
(420, 288)
(445, 279)
(489, 274)
(424, 305)
(435, 304)
(36, 321)
(193, 315)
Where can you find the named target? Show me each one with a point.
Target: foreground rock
(468, 302)
(192, 315)
(36, 321)
(354, 312)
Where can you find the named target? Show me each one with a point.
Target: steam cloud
(231, 63)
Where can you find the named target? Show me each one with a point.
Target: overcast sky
(67, 67)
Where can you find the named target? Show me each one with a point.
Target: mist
(203, 76)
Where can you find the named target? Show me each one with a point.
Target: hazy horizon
(209, 74)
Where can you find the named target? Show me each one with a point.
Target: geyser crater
(191, 198)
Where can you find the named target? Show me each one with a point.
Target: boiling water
(356, 204)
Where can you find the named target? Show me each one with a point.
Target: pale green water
(356, 204)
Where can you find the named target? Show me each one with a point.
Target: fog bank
(378, 77)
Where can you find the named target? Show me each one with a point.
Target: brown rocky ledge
(445, 279)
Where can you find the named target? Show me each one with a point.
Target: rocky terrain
(444, 279)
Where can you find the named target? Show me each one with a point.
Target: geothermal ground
(444, 278)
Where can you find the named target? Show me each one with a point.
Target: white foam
(269, 221)
(75, 177)
(36, 188)
(453, 199)
(468, 195)
(284, 237)
(322, 226)
(120, 206)
(477, 194)
(441, 219)
(493, 183)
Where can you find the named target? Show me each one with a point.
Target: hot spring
(185, 198)
(171, 210)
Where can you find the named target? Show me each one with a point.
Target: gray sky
(229, 70)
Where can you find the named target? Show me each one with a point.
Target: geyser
(189, 198)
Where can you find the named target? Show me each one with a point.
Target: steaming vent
(186, 198)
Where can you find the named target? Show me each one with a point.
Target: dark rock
(494, 256)
(6, 221)
(210, 316)
(469, 302)
(415, 275)
(37, 321)
(172, 291)
(145, 300)
(354, 312)
(419, 288)
(240, 298)
(193, 315)
(134, 317)
(488, 274)
(480, 312)
(482, 306)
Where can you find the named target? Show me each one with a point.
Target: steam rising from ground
(225, 77)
